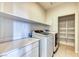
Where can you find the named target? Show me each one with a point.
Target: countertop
(5, 47)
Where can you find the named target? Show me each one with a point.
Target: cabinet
(49, 18)
(13, 53)
(66, 29)
(18, 10)
(32, 53)
(31, 50)
(30, 11)
(6, 29)
(6, 7)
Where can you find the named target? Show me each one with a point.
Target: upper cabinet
(6, 7)
(19, 10)
(30, 11)
(37, 13)
(27, 10)
(48, 19)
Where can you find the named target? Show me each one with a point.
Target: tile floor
(65, 51)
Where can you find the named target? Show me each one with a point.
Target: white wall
(39, 27)
(77, 21)
(21, 30)
(5, 29)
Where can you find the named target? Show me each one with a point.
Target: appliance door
(46, 47)
(46, 44)
(43, 47)
(50, 46)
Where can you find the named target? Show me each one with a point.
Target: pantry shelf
(66, 28)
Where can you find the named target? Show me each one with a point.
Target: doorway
(66, 32)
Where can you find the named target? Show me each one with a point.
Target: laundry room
(39, 29)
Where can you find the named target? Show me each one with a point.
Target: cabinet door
(13, 53)
(6, 7)
(50, 47)
(18, 10)
(33, 53)
(29, 11)
(32, 50)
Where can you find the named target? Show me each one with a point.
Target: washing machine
(46, 44)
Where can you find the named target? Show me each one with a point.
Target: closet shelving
(67, 33)
(66, 29)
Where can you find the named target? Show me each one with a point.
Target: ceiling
(48, 5)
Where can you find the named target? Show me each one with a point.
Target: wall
(11, 29)
(77, 26)
(21, 29)
(61, 10)
(5, 29)
(39, 27)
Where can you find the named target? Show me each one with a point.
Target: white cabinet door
(49, 19)
(33, 53)
(29, 11)
(50, 47)
(32, 50)
(6, 7)
(13, 9)
(19, 10)
(13, 53)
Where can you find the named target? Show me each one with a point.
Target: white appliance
(46, 44)
(56, 42)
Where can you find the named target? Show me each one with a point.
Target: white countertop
(5, 47)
